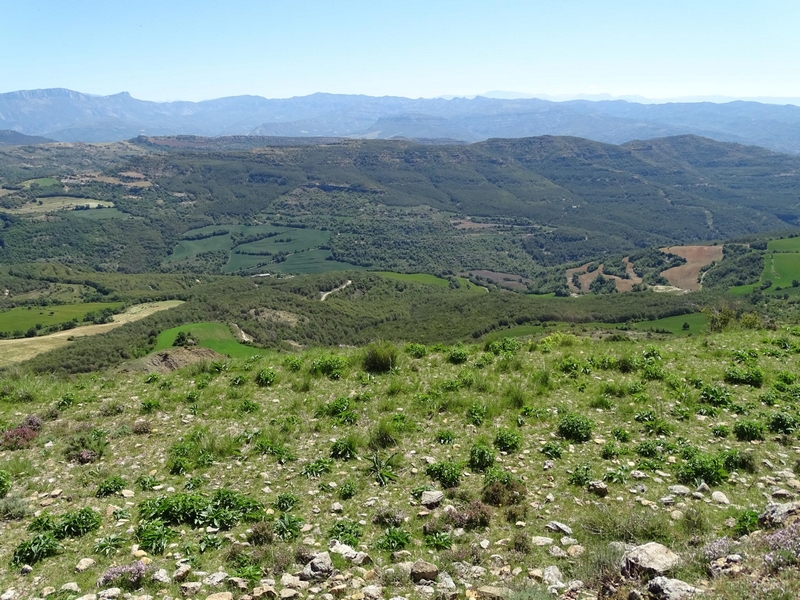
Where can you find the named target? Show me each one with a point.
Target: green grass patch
(98, 214)
(428, 279)
(23, 318)
(785, 245)
(216, 336)
(41, 182)
(311, 261)
(696, 321)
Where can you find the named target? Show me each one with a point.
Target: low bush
(5, 483)
(575, 428)
(447, 473)
(747, 431)
(380, 358)
(481, 457)
(109, 486)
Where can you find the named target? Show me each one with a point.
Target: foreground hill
(436, 470)
(67, 115)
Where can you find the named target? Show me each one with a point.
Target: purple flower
(127, 576)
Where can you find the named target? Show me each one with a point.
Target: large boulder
(431, 499)
(779, 514)
(422, 570)
(664, 588)
(320, 567)
(650, 559)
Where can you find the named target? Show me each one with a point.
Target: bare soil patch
(278, 316)
(177, 358)
(466, 224)
(685, 276)
(505, 280)
(585, 278)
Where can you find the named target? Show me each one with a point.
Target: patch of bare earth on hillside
(177, 358)
(505, 280)
(466, 224)
(585, 278)
(276, 316)
(685, 276)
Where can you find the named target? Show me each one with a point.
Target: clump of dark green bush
(575, 428)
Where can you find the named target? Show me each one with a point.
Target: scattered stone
(720, 498)
(26, 569)
(552, 575)
(575, 551)
(568, 541)
(679, 490)
(216, 579)
(49, 590)
(635, 474)
(190, 588)
(71, 587)
(287, 593)
(337, 507)
(424, 570)
(400, 556)
(676, 515)
(290, 581)
(649, 559)
(320, 567)
(780, 514)
(598, 488)
(559, 527)
(372, 592)
(110, 594)
(663, 588)
(557, 552)
(128, 493)
(8, 594)
(484, 544)
(445, 582)
(431, 499)
(220, 596)
(491, 592)
(540, 540)
(238, 583)
(265, 591)
(182, 572)
(727, 565)
(161, 576)
(782, 494)
(86, 597)
(84, 564)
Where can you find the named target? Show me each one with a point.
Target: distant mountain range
(66, 115)
(15, 138)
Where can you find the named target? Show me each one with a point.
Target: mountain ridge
(68, 115)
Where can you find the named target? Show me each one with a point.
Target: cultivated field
(45, 205)
(685, 276)
(22, 318)
(19, 350)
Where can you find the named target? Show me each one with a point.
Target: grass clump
(380, 358)
(481, 457)
(447, 473)
(110, 486)
(5, 483)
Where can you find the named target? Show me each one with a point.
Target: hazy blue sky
(200, 49)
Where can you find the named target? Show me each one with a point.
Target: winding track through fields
(18, 350)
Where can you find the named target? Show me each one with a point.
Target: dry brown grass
(685, 276)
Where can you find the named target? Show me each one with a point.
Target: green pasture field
(697, 323)
(785, 245)
(41, 182)
(43, 205)
(98, 214)
(311, 261)
(216, 336)
(23, 318)
(785, 268)
(428, 279)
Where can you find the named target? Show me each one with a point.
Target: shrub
(575, 428)
(393, 539)
(293, 363)
(383, 468)
(439, 540)
(109, 545)
(346, 531)
(315, 469)
(345, 448)
(501, 488)
(86, 447)
(383, 435)
(347, 490)
(720, 431)
(609, 451)
(330, 365)
(702, 467)
(746, 431)
(261, 534)
(782, 422)
(445, 437)
(458, 355)
(17, 438)
(447, 473)
(581, 475)
(266, 377)
(13, 509)
(110, 485)
(621, 435)
(35, 549)
(416, 350)
(380, 358)
(715, 395)
(476, 413)
(5, 483)
(128, 577)
(746, 523)
(77, 523)
(552, 450)
(753, 376)
(507, 440)
(287, 527)
(481, 457)
(285, 501)
(735, 460)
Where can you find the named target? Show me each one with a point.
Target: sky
(201, 49)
